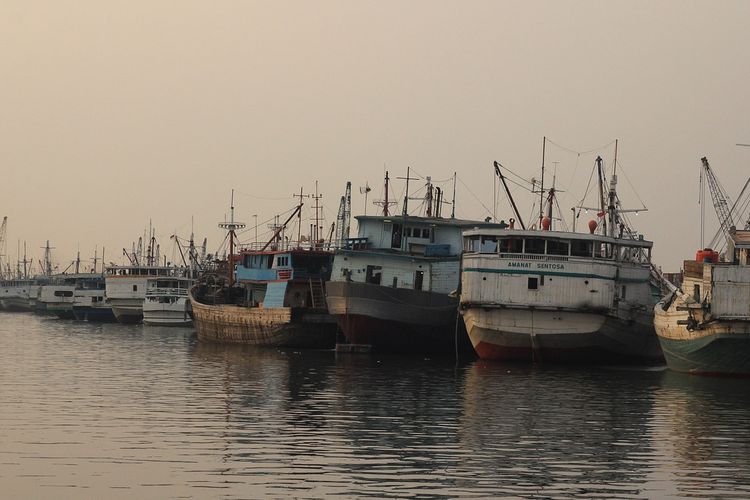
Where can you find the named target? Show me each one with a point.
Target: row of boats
(433, 284)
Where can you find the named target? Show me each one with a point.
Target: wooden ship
(271, 296)
(704, 326)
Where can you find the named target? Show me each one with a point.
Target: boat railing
(526, 256)
(163, 292)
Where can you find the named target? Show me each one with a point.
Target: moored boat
(542, 295)
(274, 298)
(704, 327)
(126, 289)
(393, 287)
(166, 302)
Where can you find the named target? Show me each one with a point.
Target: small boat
(704, 327)
(166, 302)
(275, 298)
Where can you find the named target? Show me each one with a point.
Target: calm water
(106, 411)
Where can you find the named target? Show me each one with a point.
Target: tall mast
(602, 205)
(453, 203)
(541, 190)
(231, 227)
(385, 205)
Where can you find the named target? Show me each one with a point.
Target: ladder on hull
(317, 293)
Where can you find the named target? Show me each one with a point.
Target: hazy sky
(117, 113)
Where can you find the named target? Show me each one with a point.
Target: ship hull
(157, 314)
(271, 327)
(718, 347)
(62, 311)
(396, 319)
(128, 311)
(542, 335)
(94, 314)
(17, 304)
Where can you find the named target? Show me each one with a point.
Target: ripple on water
(126, 411)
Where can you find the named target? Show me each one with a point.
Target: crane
(719, 198)
(3, 229)
(343, 219)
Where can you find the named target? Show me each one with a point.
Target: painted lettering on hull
(538, 265)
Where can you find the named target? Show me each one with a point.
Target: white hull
(533, 334)
(162, 314)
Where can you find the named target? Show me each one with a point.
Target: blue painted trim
(549, 273)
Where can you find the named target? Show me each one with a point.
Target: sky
(117, 115)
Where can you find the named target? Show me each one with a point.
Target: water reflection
(703, 425)
(127, 411)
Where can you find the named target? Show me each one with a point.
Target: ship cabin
(556, 245)
(419, 253)
(139, 271)
(62, 286)
(721, 287)
(284, 278)
(168, 290)
(554, 269)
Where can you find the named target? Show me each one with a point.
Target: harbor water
(115, 411)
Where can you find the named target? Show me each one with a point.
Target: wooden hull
(396, 319)
(713, 347)
(541, 335)
(272, 327)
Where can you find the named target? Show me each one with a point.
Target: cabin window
(373, 274)
(602, 250)
(471, 244)
(135, 288)
(418, 280)
(533, 283)
(426, 233)
(697, 293)
(395, 282)
(489, 244)
(581, 248)
(511, 245)
(534, 246)
(396, 236)
(624, 291)
(557, 247)
(407, 232)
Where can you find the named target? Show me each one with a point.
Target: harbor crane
(719, 198)
(3, 230)
(343, 219)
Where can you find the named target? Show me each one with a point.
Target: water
(113, 411)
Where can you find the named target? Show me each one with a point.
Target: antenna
(385, 203)
(365, 190)
(405, 210)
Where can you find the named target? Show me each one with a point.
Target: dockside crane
(343, 219)
(719, 198)
(3, 230)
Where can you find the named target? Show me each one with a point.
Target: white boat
(558, 295)
(58, 297)
(19, 295)
(89, 302)
(166, 302)
(126, 289)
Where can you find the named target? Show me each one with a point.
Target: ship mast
(231, 227)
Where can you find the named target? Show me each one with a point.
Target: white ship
(126, 289)
(558, 295)
(166, 302)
